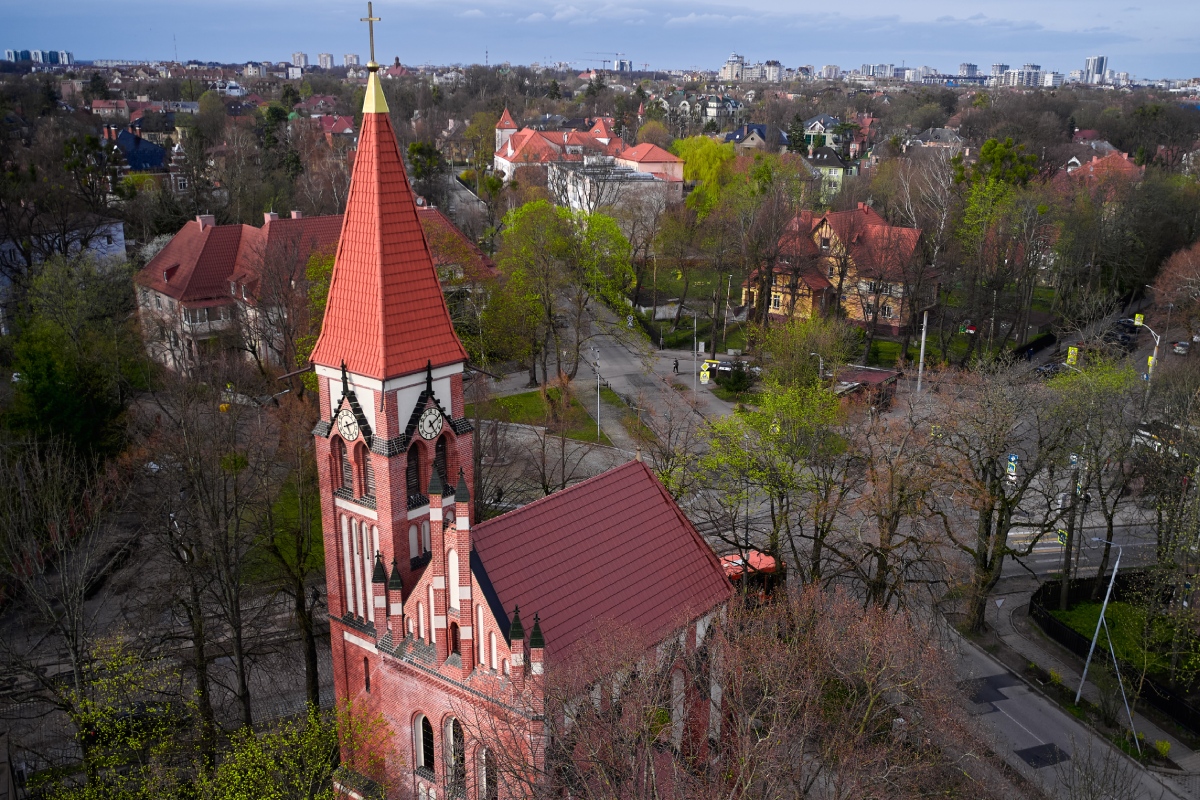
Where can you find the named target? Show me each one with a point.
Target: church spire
(385, 316)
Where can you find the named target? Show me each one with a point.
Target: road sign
(704, 374)
(1062, 537)
(1074, 459)
(1012, 470)
(1149, 363)
(1139, 320)
(629, 321)
(1012, 458)
(1072, 356)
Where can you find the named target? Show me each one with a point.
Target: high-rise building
(10, 55)
(733, 68)
(998, 70)
(830, 71)
(1093, 69)
(1052, 80)
(773, 72)
(350, 60)
(624, 65)
(966, 70)
(325, 60)
(299, 59)
(66, 57)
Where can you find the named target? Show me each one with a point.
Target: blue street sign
(1012, 458)
(1074, 459)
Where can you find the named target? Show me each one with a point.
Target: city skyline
(669, 36)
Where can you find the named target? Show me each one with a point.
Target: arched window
(368, 469)
(420, 620)
(478, 634)
(489, 780)
(344, 466)
(412, 472)
(424, 745)
(414, 541)
(366, 675)
(456, 759)
(425, 543)
(454, 643)
(492, 643)
(439, 460)
(452, 578)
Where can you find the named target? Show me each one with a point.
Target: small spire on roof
(345, 380)
(535, 636)
(429, 376)
(516, 630)
(380, 575)
(435, 484)
(461, 494)
(395, 583)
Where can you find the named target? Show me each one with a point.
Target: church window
(425, 537)
(366, 675)
(414, 542)
(347, 567)
(479, 633)
(367, 564)
(368, 474)
(504, 663)
(358, 576)
(412, 472)
(454, 640)
(492, 642)
(452, 578)
(489, 780)
(347, 468)
(421, 620)
(439, 460)
(424, 749)
(456, 759)
(432, 619)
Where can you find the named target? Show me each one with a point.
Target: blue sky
(1147, 39)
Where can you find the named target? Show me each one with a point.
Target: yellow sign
(704, 374)
(1139, 320)
(1072, 356)
(1150, 362)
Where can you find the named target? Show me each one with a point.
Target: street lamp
(1101, 623)
(820, 366)
(596, 350)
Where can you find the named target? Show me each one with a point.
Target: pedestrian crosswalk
(1047, 553)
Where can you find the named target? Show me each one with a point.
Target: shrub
(1162, 747)
(1055, 677)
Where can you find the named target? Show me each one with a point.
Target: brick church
(432, 615)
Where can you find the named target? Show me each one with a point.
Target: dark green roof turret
(535, 636)
(380, 575)
(461, 495)
(516, 630)
(395, 583)
(435, 484)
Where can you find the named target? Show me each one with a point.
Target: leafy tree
(553, 91)
(704, 161)
(654, 132)
(1002, 161)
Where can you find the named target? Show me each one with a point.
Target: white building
(1094, 68)
(998, 70)
(295, 73)
(1052, 80)
(299, 59)
(350, 60)
(830, 72)
(325, 60)
(966, 70)
(733, 68)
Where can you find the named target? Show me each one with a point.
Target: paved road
(1037, 738)
(1047, 555)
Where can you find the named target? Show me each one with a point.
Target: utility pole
(921, 363)
(1064, 592)
(695, 367)
(728, 300)
(596, 350)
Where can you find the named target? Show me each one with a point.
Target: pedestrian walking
(675, 368)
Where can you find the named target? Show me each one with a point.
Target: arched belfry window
(424, 744)
(439, 460)
(368, 472)
(412, 472)
(456, 759)
(347, 468)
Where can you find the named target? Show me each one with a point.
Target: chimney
(206, 221)
(516, 645)
(269, 216)
(437, 533)
(297, 215)
(462, 544)
(395, 598)
(379, 596)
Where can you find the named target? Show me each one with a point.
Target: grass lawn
(530, 408)
(1127, 623)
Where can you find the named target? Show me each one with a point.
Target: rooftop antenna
(176, 41)
(371, 19)
(485, 58)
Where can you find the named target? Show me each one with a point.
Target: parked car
(1128, 325)
(1181, 348)
(1118, 337)
(1048, 371)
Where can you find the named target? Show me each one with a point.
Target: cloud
(707, 20)
(471, 13)
(536, 16)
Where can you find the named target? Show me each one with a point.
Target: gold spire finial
(371, 19)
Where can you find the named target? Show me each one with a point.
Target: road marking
(1014, 719)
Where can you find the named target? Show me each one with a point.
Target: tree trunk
(304, 616)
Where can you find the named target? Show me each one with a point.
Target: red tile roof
(612, 551)
(386, 315)
(506, 123)
(286, 237)
(649, 152)
(450, 247)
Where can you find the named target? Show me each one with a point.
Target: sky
(1146, 39)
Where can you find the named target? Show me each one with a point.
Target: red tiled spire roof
(386, 315)
(506, 123)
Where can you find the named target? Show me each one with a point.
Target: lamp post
(820, 366)
(596, 350)
(1102, 623)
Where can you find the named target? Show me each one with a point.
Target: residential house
(831, 168)
(528, 147)
(944, 138)
(852, 258)
(599, 181)
(822, 130)
(756, 136)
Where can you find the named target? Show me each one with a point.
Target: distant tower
(505, 128)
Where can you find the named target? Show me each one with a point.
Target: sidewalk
(1012, 624)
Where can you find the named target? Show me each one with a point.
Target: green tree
(1001, 161)
(704, 160)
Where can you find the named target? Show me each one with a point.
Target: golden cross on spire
(371, 19)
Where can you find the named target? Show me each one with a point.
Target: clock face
(430, 424)
(347, 425)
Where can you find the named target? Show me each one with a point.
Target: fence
(1176, 706)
